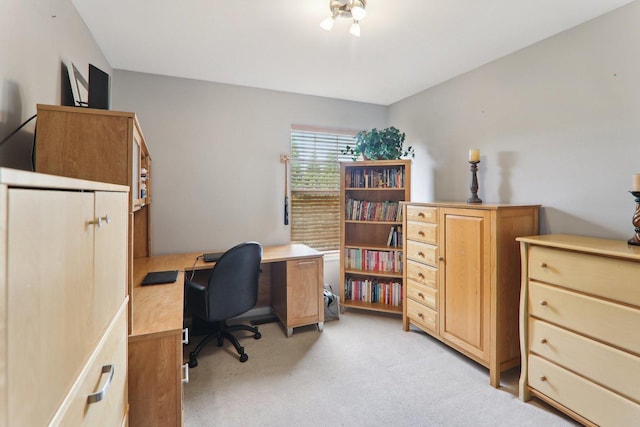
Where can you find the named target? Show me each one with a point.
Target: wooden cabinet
(579, 311)
(63, 300)
(370, 230)
(462, 274)
(105, 146)
(296, 292)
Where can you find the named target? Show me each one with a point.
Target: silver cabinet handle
(185, 369)
(99, 395)
(185, 336)
(98, 222)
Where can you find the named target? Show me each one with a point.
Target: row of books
(395, 236)
(373, 290)
(375, 178)
(373, 260)
(364, 210)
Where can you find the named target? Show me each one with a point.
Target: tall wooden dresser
(580, 327)
(63, 301)
(462, 275)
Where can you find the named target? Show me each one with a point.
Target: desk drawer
(422, 213)
(421, 315)
(606, 277)
(422, 252)
(593, 402)
(110, 410)
(606, 321)
(615, 369)
(422, 294)
(423, 274)
(422, 232)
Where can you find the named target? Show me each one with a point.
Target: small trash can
(331, 304)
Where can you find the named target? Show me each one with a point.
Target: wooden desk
(291, 284)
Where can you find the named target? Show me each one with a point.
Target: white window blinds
(315, 186)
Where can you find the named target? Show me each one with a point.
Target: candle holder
(474, 183)
(635, 240)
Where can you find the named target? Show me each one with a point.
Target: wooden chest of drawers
(579, 318)
(462, 277)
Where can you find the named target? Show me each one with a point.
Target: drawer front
(422, 213)
(422, 252)
(110, 410)
(422, 316)
(615, 369)
(606, 321)
(422, 274)
(593, 402)
(611, 278)
(422, 232)
(422, 294)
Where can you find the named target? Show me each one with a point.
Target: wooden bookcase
(105, 146)
(371, 216)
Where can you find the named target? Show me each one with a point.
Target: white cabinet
(62, 299)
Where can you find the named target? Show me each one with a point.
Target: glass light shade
(327, 23)
(355, 29)
(358, 12)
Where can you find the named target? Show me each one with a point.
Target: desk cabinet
(579, 317)
(62, 300)
(296, 292)
(462, 274)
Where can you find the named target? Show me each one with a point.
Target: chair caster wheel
(193, 363)
(257, 335)
(244, 357)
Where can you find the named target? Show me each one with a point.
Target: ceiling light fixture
(350, 9)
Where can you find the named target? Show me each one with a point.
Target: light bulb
(327, 23)
(358, 11)
(355, 29)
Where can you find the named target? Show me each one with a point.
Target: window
(315, 185)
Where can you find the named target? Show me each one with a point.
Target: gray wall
(217, 177)
(36, 40)
(558, 124)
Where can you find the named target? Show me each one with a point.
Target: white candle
(474, 155)
(636, 182)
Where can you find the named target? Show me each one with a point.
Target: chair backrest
(233, 285)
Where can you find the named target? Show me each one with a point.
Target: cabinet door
(304, 288)
(465, 317)
(50, 276)
(110, 256)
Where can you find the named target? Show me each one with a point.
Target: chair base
(221, 331)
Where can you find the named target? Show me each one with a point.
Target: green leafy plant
(385, 144)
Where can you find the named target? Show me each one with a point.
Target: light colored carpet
(362, 370)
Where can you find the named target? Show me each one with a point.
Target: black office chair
(232, 289)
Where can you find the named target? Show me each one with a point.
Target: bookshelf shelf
(371, 233)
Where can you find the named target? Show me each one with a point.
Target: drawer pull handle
(421, 254)
(185, 369)
(421, 215)
(420, 275)
(185, 336)
(420, 315)
(543, 302)
(543, 378)
(421, 295)
(543, 341)
(99, 395)
(543, 264)
(421, 233)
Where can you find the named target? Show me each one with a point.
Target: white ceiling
(406, 45)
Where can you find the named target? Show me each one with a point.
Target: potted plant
(385, 144)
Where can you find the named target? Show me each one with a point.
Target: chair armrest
(196, 300)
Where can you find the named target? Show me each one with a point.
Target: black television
(99, 88)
